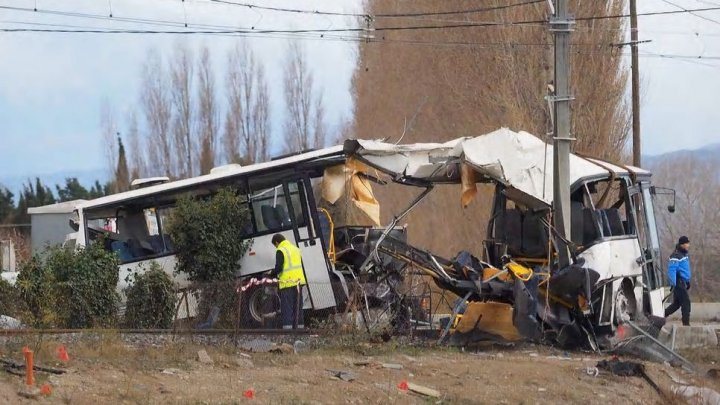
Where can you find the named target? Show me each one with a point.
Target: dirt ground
(109, 371)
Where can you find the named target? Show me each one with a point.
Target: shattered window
(134, 233)
(611, 207)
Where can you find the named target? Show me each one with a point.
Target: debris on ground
(713, 373)
(629, 369)
(346, 376)
(392, 366)
(697, 395)
(257, 346)
(204, 357)
(10, 365)
(29, 392)
(244, 362)
(622, 368)
(423, 390)
(299, 346)
(283, 348)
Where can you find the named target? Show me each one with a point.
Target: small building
(50, 224)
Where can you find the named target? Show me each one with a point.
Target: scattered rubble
(30, 392)
(346, 376)
(697, 395)
(243, 362)
(392, 366)
(204, 357)
(423, 390)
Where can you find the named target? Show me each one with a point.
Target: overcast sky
(52, 85)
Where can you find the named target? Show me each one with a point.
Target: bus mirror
(665, 191)
(74, 225)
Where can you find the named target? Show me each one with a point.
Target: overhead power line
(233, 30)
(380, 15)
(696, 15)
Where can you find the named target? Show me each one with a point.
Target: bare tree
(207, 112)
(109, 131)
(247, 125)
(261, 118)
(181, 73)
(304, 126)
(156, 111)
(697, 214)
(136, 147)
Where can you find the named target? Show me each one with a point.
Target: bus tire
(260, 308)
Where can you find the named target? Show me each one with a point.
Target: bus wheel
(260, 308)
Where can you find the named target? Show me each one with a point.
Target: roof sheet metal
(517, 159)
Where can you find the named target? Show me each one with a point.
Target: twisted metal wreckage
(515, 288)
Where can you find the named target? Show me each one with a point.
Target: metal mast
(635, 83)
(561, 25)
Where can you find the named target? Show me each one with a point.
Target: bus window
(297, 202)
(612, 207)
(269, 210)
(134, 233)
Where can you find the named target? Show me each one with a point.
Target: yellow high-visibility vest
(292, 273)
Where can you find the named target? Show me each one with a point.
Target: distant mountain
(709, 152)
(85, 177)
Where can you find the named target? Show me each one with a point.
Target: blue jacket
(679, 267)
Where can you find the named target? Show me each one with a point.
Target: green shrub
(151, 300)
(71, 288)
(208, 237)
(208, 234)
(35, 284)
(11, 303)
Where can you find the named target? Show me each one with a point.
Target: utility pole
(561, 25)
(635, 83)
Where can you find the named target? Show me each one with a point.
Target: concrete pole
(562, 25)
(635, 83)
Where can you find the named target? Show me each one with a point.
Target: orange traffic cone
(249, 393)
(46, 389)
(62, 354)
(403, 386)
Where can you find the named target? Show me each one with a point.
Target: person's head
(684, 243)
(277, 239)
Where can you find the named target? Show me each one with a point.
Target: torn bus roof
(519, 160)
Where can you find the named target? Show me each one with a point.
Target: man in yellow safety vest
(291, 278)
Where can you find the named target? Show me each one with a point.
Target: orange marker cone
(249, 393)
(403, 386)
(62, 354)
(29, 375)
(46, 389)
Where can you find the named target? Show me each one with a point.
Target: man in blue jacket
(679, 278)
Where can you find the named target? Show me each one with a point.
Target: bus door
(650, 246)
(319, 292)
(283, 208)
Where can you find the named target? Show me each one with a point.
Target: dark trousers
(291, 307)
(681, 300)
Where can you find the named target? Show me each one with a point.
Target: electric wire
(380, 15)
(691, 13)
(349, 29)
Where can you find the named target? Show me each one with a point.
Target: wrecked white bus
(616, 271)
(615, 276)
